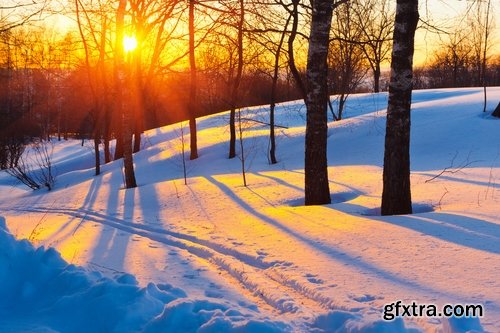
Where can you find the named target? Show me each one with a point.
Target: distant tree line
(451, 70)
(65, 86)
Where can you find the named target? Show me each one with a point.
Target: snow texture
(215, 256)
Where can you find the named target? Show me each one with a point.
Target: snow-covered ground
(215, 256)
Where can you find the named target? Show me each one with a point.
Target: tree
(396, 194)
(376, 23)
(272, 106)
(121, 93)
(481, 43)
(452, 64)
(294, 14)
(192, 103)
(237, 79)
(496, 113)
(95, 112)
(317, 191)
(346, 61)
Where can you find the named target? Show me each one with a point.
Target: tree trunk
(119, 141)
(236, 83)
(137, 138)
(291, 56)
(232, 133)
(128, 162)
(126, 113)
(192, 88)
(272, 106)
(496, 113)
(95, 113)
(97, 154)
(396, 195)
(376, 78)
(107, 132)
(485, 53)
(342, 100)
(136, 97)
(317, 191)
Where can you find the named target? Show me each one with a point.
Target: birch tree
(396, 194)
(316, 188)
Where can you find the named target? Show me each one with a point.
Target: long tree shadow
(461, 230)
(279, 181)
(458, 229)
(149, 204)
(63, 233)
(434, 95)
(335, 254)
(112, 244)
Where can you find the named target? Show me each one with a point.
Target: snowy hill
(215, 256)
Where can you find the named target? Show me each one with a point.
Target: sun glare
(129, 43)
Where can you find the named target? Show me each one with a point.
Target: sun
(129, 43)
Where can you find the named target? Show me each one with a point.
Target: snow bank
(347, 322)
(41, 292)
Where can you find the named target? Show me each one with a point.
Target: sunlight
(129, 43)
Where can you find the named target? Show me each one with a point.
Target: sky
(444, 14)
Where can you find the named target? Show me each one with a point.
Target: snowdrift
(42, 293)
(214, 256)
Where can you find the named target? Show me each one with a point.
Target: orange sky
(445, 14)
(442, 13)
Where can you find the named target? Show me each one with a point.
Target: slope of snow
(41, 292)
(215, 256)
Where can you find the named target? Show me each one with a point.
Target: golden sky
(441, 14)
(444, 15)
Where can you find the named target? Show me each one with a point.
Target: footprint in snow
(363, 298)
(213, 294)
(215, 286)
(313, 279)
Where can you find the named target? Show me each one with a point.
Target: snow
(214, 256)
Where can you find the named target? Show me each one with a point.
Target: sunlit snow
(215, 256)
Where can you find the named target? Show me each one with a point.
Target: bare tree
(272, 107)
(96, 111)
(481, 43)
(317, 191)
(376, 22)
(346, 60)
(120, 94)
(496, 112)
(396, 194)
(34, 168)
(294, 14)
(192, 103)
(237, 79)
